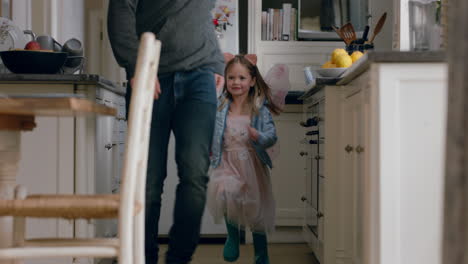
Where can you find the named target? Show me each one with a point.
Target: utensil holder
(362, 47)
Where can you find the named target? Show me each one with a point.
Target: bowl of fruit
(33, 60)
(339, 62)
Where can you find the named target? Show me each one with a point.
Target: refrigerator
(226, 26)
(227, 30)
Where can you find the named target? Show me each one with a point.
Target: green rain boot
(231, 247)
(260, 248)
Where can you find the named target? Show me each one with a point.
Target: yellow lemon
(344, 61)
(356, 56)
(336, 53)
(328, 65)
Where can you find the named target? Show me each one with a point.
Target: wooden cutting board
(53, 107)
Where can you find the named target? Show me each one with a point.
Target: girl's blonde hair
(258, 94)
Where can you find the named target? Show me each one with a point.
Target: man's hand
(219, 80)
(253, 133)
(157, 87)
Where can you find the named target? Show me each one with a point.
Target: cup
(30, 33)
(422, 22)
(47, 42)
(74, 48)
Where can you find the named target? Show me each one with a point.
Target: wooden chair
(128, 206)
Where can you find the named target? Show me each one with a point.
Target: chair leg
(126, 240)
(19, 223)
(139, 239)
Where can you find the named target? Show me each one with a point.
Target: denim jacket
(263, 123)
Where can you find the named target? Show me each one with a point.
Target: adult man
(190, 66)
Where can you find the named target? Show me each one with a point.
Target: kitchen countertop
(390, 57)
(75, 79)
(376, 57)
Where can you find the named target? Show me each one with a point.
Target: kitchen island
(70, 154)
(376, 189)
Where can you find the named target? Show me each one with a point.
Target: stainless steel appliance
(315, 146)
(316, 17)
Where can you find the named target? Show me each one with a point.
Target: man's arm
(121, 25)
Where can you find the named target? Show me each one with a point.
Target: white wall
(22, 13)
(383, 41)
(71, 20)
(63, 19)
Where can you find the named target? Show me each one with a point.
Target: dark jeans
(187, 106)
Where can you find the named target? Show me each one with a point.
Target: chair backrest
(137, 143)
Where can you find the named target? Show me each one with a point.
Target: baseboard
(283, 234)
(206, 239)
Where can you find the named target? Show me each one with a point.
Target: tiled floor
(279, 254)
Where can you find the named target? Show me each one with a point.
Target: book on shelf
(264, 25)
(279, 24)
(270, 24)
(293, 24)
(286, 32)
(276, 18)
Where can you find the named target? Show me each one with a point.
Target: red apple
(32, 45)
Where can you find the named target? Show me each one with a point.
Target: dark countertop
(75, 79)
(376, 57)
(293, 97)
(319, 83)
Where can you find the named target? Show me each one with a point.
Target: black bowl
(36, 62)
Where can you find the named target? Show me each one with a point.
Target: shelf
(327, 44)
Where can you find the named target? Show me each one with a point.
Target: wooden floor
(279, 254)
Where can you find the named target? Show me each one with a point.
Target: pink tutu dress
(240, 187)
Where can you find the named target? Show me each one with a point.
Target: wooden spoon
(378, 27)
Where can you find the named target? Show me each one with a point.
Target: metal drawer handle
(313, 132)
(303, 153)
(109, 146)
(303, 199)
(348, 148)
(310, 122)
(315, 142)
(319, 215)
(359, 149)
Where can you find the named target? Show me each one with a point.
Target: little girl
(240, 187)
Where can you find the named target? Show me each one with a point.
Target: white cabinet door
(288, 174)
(353, 169)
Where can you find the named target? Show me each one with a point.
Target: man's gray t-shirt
(184, 27)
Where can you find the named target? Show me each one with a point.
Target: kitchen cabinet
(321, 228)
(287, 175)
(109, 146)
(383, 161)
(353, 161)
(73, 155)
(406, 130)
(314, 141)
